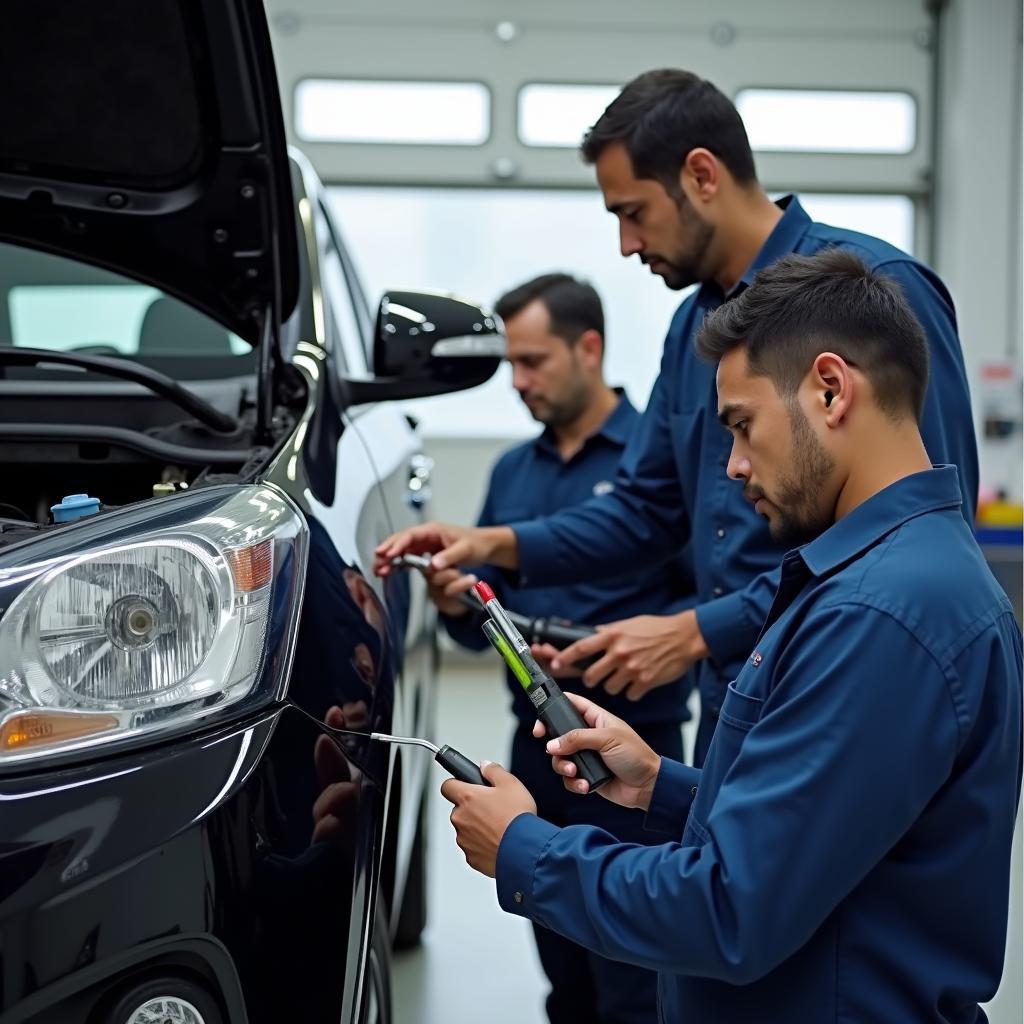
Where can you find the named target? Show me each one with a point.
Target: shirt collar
(914, 495)
(791, 227)
(616, 427)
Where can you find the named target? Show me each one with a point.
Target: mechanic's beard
(566, 408)
(689, 267)
(801, 517)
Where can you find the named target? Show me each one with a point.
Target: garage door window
(411, 113)
(828, 121)
(559, 115)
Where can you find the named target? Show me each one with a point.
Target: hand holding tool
(554, 709)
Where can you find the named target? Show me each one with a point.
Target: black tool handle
(560, 716)
(560, 633)
(459, 766)
(542, 630)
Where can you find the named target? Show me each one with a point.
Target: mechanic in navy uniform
(844, 855)
(555, 328)
(675, 167)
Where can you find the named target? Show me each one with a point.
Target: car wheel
(377, 982)
(163, 1001)
(412, 916)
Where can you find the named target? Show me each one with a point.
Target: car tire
(155, 1000)
(376, 1008)
(412, 915)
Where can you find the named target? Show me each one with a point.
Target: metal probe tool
(451, 760)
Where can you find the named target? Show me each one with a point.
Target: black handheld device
(553, 708)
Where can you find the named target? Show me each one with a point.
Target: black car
(198, 462)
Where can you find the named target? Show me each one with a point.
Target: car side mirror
(428, 343)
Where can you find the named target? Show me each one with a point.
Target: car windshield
(50, 302)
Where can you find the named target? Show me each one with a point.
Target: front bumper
(197, 859)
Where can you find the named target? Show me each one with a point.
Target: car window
(345, 296)
(58, 304)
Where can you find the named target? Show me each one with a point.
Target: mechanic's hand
(634, 764)
(482, 813)
(455, 545)
(545, 655)
(639, 653)
(444, 588)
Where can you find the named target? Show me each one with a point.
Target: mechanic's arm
(636, 655)
(462, 622)
(777, 854)
(729, 625)
(642, 522)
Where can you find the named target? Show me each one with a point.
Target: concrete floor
(471, 950)
(475, 962)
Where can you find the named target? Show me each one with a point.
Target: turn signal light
(43, 729)
(252, 567)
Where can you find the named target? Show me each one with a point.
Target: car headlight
(148, 621)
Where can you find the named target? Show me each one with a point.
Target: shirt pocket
(739, 714)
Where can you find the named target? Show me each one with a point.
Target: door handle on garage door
(420, 469)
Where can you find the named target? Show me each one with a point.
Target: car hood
(147, 138)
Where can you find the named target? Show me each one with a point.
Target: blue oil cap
(73, 507)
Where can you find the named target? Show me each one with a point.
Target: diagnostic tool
(553, 708)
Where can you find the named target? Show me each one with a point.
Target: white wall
(977, 218)
(977, 225)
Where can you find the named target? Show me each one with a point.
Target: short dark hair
(804, 305)
(660, 116)
(574, 306)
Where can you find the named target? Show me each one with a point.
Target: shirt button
(720, 532)
(693, 791)
(518, 897)
(713, 713)
(718, 591)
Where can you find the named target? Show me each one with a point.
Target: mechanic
(556, 343)
(845, 852)
(675, 167)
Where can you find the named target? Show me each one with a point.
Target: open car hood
(147, 138)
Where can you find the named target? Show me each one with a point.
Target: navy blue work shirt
(672, 489)
(532, 480)
(845, 852)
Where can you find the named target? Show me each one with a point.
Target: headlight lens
(149, 633)
(122, 626)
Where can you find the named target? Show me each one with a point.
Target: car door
(393, 453)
